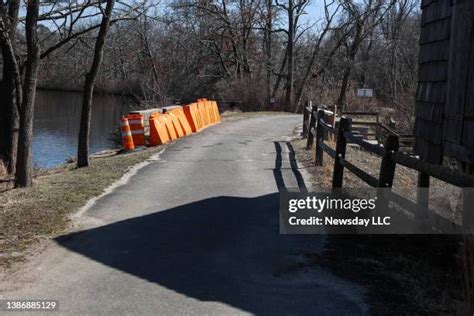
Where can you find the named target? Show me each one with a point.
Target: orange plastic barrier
(204, 114)
(177, 127)
(176, 122)
(166, 119)
(201, 114)
(183, 122)
(137, 127)
(216, 111)
(208, 112)
(193, 117)
(158, 133)
(127, 140)
(212, 115)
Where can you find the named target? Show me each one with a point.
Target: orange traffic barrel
(127, 140)
(137, 126)
(158, 133)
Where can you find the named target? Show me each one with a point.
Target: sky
(315, 9)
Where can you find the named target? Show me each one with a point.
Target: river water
(56, 125)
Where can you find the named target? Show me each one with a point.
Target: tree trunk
(268, 49)
(84, 132)
(308, 72)
(366, 55)
(280, 75)
(24, 167)
(341, 100)
(10, 87)
(290, 62)
(9, 120)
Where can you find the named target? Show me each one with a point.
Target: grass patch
(27, 215)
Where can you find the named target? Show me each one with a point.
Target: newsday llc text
(319, 205)
(360, 211)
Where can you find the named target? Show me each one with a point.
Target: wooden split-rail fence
(318, 124)
(368, 124)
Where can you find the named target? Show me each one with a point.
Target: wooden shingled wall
(432, 78)
(445, 97)
(459, 119)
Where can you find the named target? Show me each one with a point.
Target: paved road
(196, 232)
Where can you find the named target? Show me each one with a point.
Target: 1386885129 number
(28, 305)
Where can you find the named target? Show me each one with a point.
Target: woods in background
(266, 54)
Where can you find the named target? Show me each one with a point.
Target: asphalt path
(195, 232)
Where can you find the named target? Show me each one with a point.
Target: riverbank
(30, 215)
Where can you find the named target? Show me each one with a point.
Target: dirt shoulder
(411, 274)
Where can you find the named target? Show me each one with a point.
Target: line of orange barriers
(170, 125)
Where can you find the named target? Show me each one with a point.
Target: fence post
(467, 214)
(377, 129)
(341, 143)
(387, 167)
(333, 121)
(306, 114)
(319, 138)
(312, 124)
(333, 118)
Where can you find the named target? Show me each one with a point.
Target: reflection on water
(56, 125)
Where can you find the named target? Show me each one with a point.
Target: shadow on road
(277, 172)
(225, 249)
(222, 249)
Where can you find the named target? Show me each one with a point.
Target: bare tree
(364, 16)
(24, 168)
(326, 28)
(268, 29)
(10, 86)
(84, 132)
(293, 9)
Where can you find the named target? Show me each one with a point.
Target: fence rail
(318, 127)
(377, 130)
